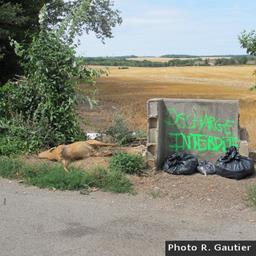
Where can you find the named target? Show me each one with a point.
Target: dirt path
(42, 222)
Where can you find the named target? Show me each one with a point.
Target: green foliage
(17, 135)
(19, 21)
(252, 195)
(10, 168)
(120, 131)
(10, 146)
(248, 42)
(124, 62)
(225, 61)
(39, 109)
(54, 176)
(52, 67)
(72, 17)
(127, 163)
(117, 182)
(42, 104)
(57, 178)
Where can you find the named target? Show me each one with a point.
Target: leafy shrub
(54, 176)
(120, 131)
(10, 146)
(19, 135)
(127, 163)
(41, 105)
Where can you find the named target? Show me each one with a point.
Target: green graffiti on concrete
(200, 142)
(194, 121)
(194, 132)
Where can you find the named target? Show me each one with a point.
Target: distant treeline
(124, 61)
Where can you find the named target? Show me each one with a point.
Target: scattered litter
(94, 189)
(84, 192)
(206, 167)
(93, 135)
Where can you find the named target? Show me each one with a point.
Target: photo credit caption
(210, 248)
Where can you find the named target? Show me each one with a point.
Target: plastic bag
(233, 165)
(181, 163)
(206, 168)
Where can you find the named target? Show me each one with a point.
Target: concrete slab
(202, 127)
(244, 148)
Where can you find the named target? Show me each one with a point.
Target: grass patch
(127, 163)
(54, 176)
(155, 194)
(252, 195)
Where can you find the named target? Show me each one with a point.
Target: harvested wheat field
(128, 90)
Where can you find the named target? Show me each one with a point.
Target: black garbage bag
(234, 166)
(206, 168)
(181, 163)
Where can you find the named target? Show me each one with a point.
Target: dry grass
(129, 90)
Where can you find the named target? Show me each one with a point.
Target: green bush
(120, 131)
(54, 176)
(44, 100)
(127, 163)
(39, 108)
(41, 104)
(11, 146)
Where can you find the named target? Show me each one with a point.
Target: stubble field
(127, 90)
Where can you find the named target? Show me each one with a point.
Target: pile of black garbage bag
(231, 165)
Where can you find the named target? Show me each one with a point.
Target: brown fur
(52, 154)
(96, 143)
(72, 152)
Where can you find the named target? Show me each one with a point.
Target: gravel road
(42, 222)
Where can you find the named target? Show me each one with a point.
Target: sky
(158, 27)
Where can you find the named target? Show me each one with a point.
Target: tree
(76, 16)
(38, 109)
(11, 18)
(248, 42)
(19, 20)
